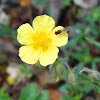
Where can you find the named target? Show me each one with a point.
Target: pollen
(41, 40)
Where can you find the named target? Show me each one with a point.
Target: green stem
(39, 65)
(67, 66)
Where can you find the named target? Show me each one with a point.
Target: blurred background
(20, 81)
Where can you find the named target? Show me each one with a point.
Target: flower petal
(28, 54)
(43, 23)
(58, 78)
(59, 39)
(25, 34)
(49, 56)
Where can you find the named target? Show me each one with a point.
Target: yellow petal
(25, 34)
(28, 54)
(43, 23)
(49, 56)
(10, 80)
(59, 39)
(58, 78)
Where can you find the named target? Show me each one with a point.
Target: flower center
(42, 41)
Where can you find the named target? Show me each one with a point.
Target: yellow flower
(40, 42)
(10, 80)
(58, 78)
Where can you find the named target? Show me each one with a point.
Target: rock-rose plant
(40, 45)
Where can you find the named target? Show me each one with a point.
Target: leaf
(72, 42)
(79, 49)
(97, 89)
(4, 97)
(29, 92)
(80, 27)
(49, 12)
(67, 98)
(78, 56)
(78, 68)
(2, 90)
(43, 95)
(87, 57)
(24, 2)
(4, 27)
(67, 88)
(86, 88)
(5, 34)
(3, 94)
(94, 61)
(78, 96)
(5, 31)
(24, 70)
(95, 14)
(66, 2)
(93, 41)
(75, 40)
(40, 2)
(64, 89)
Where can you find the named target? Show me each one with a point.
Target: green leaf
(95, 14)
(78, 68)
(94, 42)
(49, 12)
(87, 57)
(66, 2)
(40, 2)
(75, 40)
(94, 61)
(24, 70)
(78, 56)
(97, 89)
(5, 31)
(43, 95)
(29, 92)
(72, 42)
(67, 88)
(79, 49)
(4, 27)
(5, 34)
(64, 89)
(78, 96)
(3, 94)
(67, 98)
(4, 97)
(86, 88)
(16, 42)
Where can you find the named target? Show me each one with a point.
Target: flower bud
(57, 69)
(95, 75)
(71, 79)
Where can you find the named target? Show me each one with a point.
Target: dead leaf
(55, 95)
(24, 2)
